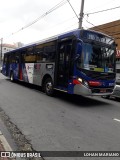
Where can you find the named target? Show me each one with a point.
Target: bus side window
(5, 59)
(22, 57)
(17, 59)
(29, 56)
(49, 53)
(38, 53)
(62, 54)
(12, 58)
(68, 51)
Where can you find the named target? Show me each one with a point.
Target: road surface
(64, 122)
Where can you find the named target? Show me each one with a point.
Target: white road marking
(115, 119)
(5, 144)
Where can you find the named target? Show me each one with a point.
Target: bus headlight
(83, 82)
(80, 80)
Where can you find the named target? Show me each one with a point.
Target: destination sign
(97, 37)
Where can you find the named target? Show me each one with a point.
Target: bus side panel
(30, 72)
(34, 72)
(23, 73)
(14, 67)
(37, 74)
(4, 70)
(8, 68)
(42, 69)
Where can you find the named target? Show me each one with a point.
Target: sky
(16, 14)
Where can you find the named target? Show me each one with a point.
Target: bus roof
(75, 33)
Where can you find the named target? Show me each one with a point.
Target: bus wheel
(48, 87)
(11, 76)
(117, 98)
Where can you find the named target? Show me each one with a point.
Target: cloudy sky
(16, 14)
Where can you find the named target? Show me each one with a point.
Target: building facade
(6, 48)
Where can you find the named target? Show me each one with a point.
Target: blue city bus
(78, 62)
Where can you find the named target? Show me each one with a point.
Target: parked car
(118, 78)
(0, 69)
(116, 93)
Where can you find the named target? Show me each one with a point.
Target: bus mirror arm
(77, 57)
(79, 40)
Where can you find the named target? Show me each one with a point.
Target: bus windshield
(96, 57)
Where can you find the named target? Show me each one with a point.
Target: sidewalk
(4, 145)
(2, 149)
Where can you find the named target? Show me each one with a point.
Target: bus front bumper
(80, 89)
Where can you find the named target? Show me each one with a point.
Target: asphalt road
(64, 122)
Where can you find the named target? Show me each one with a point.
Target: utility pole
(1, 48)
(81, 14)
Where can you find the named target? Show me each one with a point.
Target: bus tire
(48, 87)
(117, 98)
(11, 77)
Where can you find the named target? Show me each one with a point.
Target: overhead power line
(104, 29)
(97, 27)
(46, 13)
(60, 4)
(101, 5)
(73, 9)
(102, 10)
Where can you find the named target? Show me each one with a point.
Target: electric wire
(46, 13)
(104, 29)
(73, 9)
(60, 4)
(102, 10)
(103, 4)
(56, 7)
(59, 24)
(96, 26)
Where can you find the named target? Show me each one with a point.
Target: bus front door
(63, 63)
(7, 61)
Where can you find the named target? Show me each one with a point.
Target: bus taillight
(75, 81)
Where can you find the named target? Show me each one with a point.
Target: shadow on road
(77, 100)
(81, 101)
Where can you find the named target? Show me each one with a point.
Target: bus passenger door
(6, 68)
(16, 65)
(63, 63)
